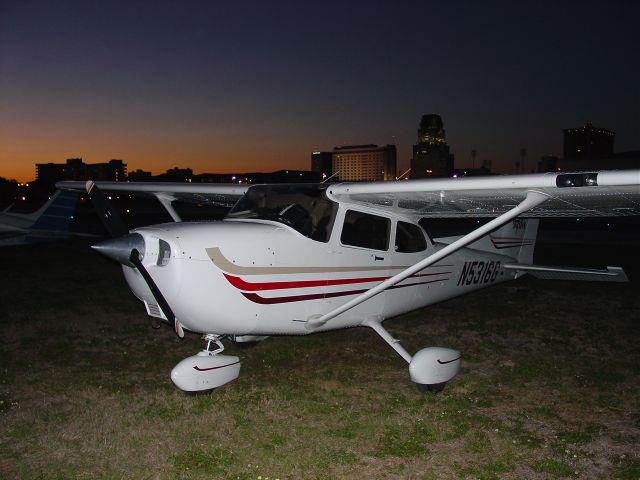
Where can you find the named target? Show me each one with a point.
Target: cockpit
(303, 207)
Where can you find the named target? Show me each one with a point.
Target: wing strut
(533, 199)
(167, 202)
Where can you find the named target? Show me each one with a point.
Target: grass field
(549, 387)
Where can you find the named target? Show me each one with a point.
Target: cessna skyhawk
(300, 259)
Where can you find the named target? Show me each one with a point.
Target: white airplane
(300, 259)
(49, 222)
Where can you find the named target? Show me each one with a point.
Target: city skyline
(259, 86)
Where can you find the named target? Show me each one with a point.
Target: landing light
(577, 180)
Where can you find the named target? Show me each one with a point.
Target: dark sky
(245, 86)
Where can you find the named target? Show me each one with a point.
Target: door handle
(378, 258)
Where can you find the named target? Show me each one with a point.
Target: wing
(586, 194)
(503, 197)
(223, 195)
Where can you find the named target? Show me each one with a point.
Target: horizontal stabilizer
(545, 272)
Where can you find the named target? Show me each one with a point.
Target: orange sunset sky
(257, 86)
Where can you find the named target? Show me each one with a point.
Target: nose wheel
(208, 369)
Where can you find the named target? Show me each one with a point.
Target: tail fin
(57, 213)
(516, 239)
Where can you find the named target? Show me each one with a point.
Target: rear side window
(409, 238)
(365, 230)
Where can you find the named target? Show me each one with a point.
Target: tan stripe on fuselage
(225, 265)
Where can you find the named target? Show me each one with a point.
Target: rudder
(517, 239)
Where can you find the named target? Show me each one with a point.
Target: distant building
(289, 176)
(176, 174)
(50, 172)
(76, 169)
(139, 176)
(615, 161)
(431, 155)
(280, 176)
(321, 162)
(548, 163)
(356, 163)
(588, 142)
(589, 148)
(473, 172)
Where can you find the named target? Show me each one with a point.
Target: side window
(365, 230)
(409, 238)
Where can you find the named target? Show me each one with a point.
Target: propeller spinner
(127, 249)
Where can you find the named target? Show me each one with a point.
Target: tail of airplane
(516, 239)
(57, 213)
(50, 222)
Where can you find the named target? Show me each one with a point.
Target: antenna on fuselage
(328, 178)
(400, 177)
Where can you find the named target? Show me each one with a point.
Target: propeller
(108, 215)
(128, 249)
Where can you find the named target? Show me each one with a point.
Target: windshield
(302, 207)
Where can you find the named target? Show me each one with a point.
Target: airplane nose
(119, 248)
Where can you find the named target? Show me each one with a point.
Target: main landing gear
(430, 368)
(207, 369)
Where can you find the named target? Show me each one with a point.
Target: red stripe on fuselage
(257, 286)
(254, 297)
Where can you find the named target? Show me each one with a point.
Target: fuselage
(247, 276)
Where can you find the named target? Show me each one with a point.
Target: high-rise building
(139, 175)
(76, 169)
(355, 163)
(321, 162)
(588, 142)
(431, 155)
(589, 148)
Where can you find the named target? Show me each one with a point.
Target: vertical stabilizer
(516, 239)
(57, 213)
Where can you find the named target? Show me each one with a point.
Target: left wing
(222, 195)
(216, 194)
(583, 194)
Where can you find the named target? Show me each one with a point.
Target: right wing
(580, 194)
